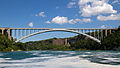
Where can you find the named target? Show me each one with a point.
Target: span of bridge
(19, 34)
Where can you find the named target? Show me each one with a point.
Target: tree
(112, 42)
(119, 28)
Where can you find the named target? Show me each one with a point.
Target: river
(60, 59)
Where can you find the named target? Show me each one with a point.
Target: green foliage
(112, 41)
(2, 47)
(44, 45)
(6, 44)
(85, 44)
(21, 46)
(54, 47)
(119, 28)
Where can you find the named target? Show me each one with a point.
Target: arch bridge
(96, 34)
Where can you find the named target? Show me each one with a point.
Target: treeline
(41, 45)
(6, 44)
(111, 42)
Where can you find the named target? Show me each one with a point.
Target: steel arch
(65, 30)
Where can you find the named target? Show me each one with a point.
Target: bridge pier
(98, 33)
(94, 33)
(3, 31)
(110, 31)
(106, 32)
(9, 34)
(102, 34)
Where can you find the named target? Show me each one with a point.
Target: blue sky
(59, 14)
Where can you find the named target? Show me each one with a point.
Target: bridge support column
(9, 34)
(101, 34)
(98, 33)
(94, 33)
(66, 42)
(110, 31)
(2, 31)
(106, 33)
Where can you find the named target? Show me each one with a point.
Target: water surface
(60, 59)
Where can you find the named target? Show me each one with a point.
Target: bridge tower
(6, 30)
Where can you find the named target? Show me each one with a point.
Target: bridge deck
(67, 28)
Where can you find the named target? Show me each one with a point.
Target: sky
(59, 14)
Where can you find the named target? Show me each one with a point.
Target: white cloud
(47, 22)
(79, 20)
(95, 7)
(72, 21)
(103, 26)
(71, 4)
(60, 20)
(86, 20)
(111, 17)
(57, 7)
(115, 1)
(41, 14)
(30, 24)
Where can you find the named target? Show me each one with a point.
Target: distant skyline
(59, 14)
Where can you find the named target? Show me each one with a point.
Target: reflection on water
(60, 59)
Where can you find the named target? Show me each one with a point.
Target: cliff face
(68, 41)
(59, 42)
